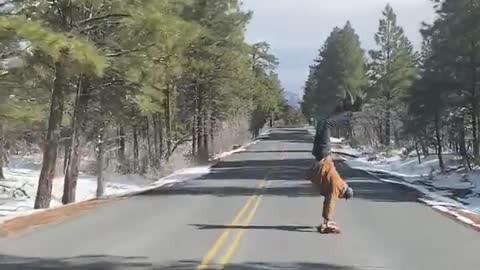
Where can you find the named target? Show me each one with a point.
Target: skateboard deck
(328, 230)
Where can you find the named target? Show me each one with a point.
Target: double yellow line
(254, 200)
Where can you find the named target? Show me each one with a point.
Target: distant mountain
(292, 99)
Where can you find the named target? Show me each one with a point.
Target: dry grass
(26, 223)
(473, 217)
(455, 213)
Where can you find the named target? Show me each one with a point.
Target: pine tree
(266, 87)
(63, 52)
(338, 75)
(459, 34)
(449, 79)
(392, 67)
(352, 64)
(135, 80)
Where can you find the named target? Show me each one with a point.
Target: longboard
(328, 230)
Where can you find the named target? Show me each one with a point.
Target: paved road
(253, 212)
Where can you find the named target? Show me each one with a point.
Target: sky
(296, 29)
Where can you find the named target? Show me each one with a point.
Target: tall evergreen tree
(138, 77)
(392, 67)
(458, 30)
(338, 75)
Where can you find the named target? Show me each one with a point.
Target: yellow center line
(224, 236)
(226, 259)
(238, 237)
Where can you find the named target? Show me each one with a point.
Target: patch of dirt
(458, 214)
(474, 217)
(23, 224)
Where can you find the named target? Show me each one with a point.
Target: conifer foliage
(426, 100)
(135, 81)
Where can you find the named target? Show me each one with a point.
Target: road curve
(253, 211)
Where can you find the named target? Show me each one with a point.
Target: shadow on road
(267, 164)
(287, 169)
(105, 262)
(364, 190)
(277, 151)
(300, 190)
(235, 177)
(290, 228)
(229, 179)
(290, 135)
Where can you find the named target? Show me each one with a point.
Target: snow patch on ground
(17, 193)
(456, 188)
(453, 189)
(440, 194)
(345, 149)
(455, 193)
(338, 145)
(336, 140)
(229, 153)
(408, 167)
(240, 148)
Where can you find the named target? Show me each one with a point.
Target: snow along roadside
(179, 176)
(174, 178)
(432, 199)
(436, 201)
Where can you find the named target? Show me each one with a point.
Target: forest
(129, 86)
(423, 100)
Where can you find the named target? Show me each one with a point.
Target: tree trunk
(379, 131)
(161, 139)
(100, 152)
(150, 150)
(396, 137)
(121, 150)
(349, 130)
(2, 177)
(473, 87)
(200, 124)
(439, 142)
(66, 155)
(424, 146)
(47, 173)
(78, 123)
(135, 150)
(2, 153)
(169, 120)
(462, 143)
(415, 141)
(388, 114)
(212, 132)
(206, 143)
(144, 148)
(194, 134)
(475, 132)
(195, 124)
(155, 139)
(200, 135)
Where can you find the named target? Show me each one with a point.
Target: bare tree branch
(177, 144)
(124, 52)
(15, 189)
(104, 17)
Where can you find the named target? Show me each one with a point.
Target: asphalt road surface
(253, 211)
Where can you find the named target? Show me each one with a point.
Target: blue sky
(296, 29)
